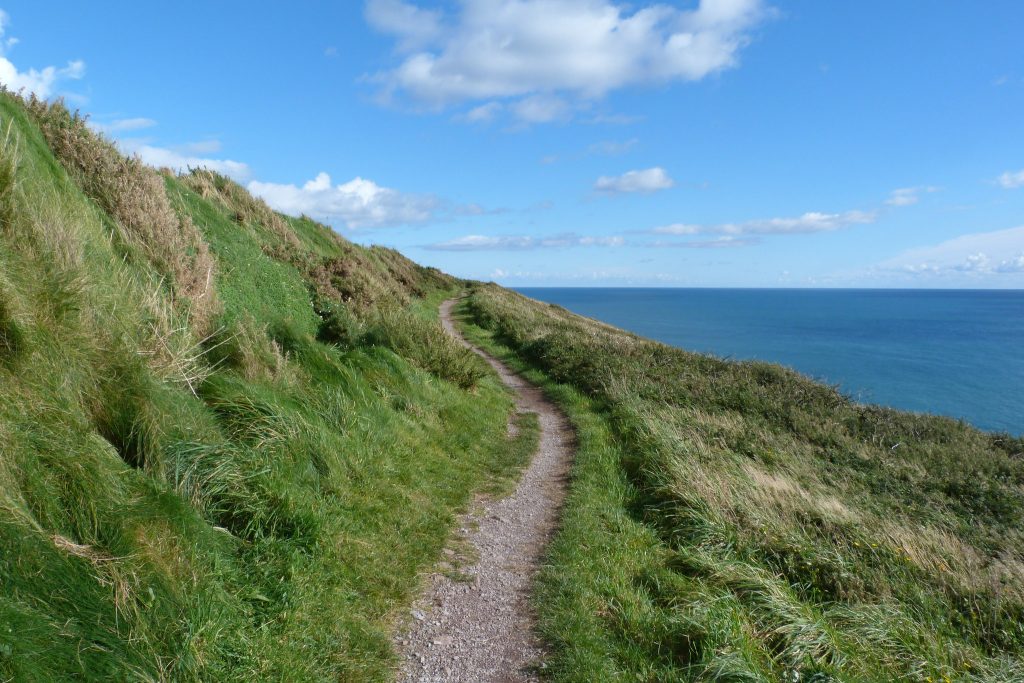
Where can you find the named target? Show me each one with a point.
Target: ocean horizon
(953, 352)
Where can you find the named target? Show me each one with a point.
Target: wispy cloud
(810, 222)
(413, 26)
(485, 113)
(579, 50)
(646, 181)
(614, 119)
(604, 148)
(613, 148)
(622, 275)
(209, 146)
(908, 196)
(184, 158)
(122, 125)
(523, 242)
(1011, 179)
(41, 82)
(542, 108)
(726, 242)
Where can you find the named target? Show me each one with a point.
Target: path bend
(483, 629)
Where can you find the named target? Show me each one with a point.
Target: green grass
(254, 498)
(736, 521)
(232, 443)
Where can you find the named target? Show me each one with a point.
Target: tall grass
(255, 502)
(763, 526)
(132, 194)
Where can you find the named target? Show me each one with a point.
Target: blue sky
(582, 142)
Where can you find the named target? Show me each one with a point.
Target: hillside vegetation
(230, 440)
(738, 522)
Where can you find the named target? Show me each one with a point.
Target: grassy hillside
(737, 522)
(229, 440)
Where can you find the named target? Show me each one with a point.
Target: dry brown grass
(135, 197)
(940, 552)
(782, 493)
(257, 356)
(56, 230)
(113, 572)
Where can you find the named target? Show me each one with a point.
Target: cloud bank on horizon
(977, 254)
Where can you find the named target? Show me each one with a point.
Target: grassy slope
(229, 441)
(738, 522)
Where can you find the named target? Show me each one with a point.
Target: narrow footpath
(482, 629)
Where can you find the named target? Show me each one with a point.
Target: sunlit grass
(736, 521)
(247, 492)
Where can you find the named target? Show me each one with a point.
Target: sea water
(951, 352)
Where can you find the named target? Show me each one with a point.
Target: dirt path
(483, 629)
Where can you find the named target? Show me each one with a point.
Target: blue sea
(952, 352)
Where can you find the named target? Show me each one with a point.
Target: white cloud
(415, 27)
(1012, 265)
(123, 125)
(1011, 180)
(613, 148)
(624, 275)
(491, 49)
(199, 147)
(605, 148)
(614, 119)
(810, 222)
(978, 254)
(180, 160)
(645, 181)
(5, 43)
(542, 109)
(725, 242)
(485, 113)
(40, 82)
(359, 203)
(908, 196)
(523, 242)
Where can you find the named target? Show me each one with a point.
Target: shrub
(338, 326)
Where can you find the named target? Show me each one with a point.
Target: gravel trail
(482, 629)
